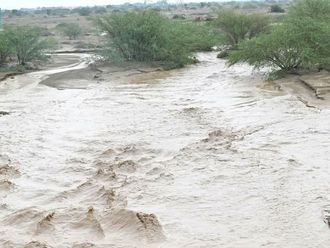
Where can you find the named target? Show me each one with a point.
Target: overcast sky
(17, 4)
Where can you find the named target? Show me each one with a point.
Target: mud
(204, 156)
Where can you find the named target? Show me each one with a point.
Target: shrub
(315, 9)
(301, 42)
(72, 30)
(238, 26)
(6, 48)
(147, 36)
(223, 54)
(179, 16)
(249, 5)
(198, 36)
(84, 11)
(275, 50)
(275, 8)
(27, 44)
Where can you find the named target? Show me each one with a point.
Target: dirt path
(205, 156)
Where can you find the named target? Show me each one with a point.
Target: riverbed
(204, 156)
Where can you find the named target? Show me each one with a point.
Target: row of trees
(22, 45)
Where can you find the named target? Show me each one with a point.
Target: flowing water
(206, 156)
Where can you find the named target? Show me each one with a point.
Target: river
(205, 156)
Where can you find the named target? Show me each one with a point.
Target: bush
(198, 37)
(238, 27)
(223, 54)
(72, 30)
(275, 8)
(310, 20)
(149, 37)
(179, 16)
(314, 9)
(27, 44)
(6, 48)
(249, 5)
(301, 42)
(84, 11)
(275, 50)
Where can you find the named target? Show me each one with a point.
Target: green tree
(72, 30)
(275, 8)
(6, 48)
(238, 26)
(314, 9)
(275, 50)
(301, 42)
(147, 36)
(16, 12)
(27, 43)
(84, 11)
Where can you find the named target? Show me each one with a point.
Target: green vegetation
(275, 8)
(275, 50)
(238, 26)
(299, 43)
(27, 44)
(5, 48)
(147, 36)
(72, 30)
(23, 43)
(198, 36)
(84, 11)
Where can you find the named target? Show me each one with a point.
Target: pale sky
(17, 4)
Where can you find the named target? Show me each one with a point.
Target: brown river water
(205, 156)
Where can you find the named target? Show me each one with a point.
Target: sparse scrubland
(290, 39)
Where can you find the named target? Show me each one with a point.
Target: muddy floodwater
(205, 156)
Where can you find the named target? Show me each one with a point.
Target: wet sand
(203, 156)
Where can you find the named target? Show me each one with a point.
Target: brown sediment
(37, 244)
(91, 224)
(73, 51)
(6, 185)
(84, 245)
(45, 224)
(110, 197)
(5, 76)
(128, 166)
(313, 89)
(140, 227)
(8, 171)
(21, 216)
(151, 225)
(319, 82)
